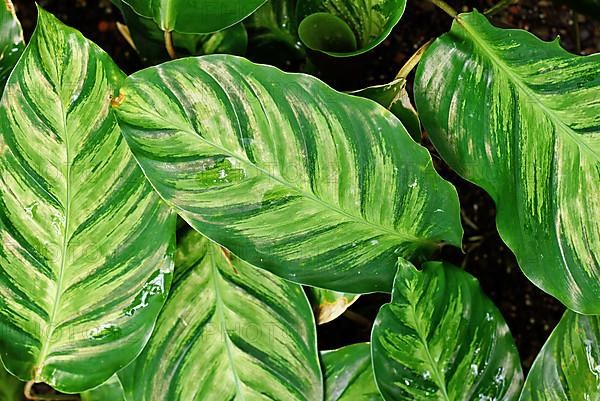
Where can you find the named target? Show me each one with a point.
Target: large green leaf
(349, 374)
(11, 389)
(12, 42)
(109, 391)
(229, 331)
(442, 339)
(194, 16)
(319, 187)
(568, 367)
(84, 261)
(521, 118)
(150, 43)
(329, 305)
(342, 28)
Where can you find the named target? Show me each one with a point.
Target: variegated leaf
(329, 305)
(349, 374)
(84, 260)
(109, 391)
(319, 187)
(568, 367)
(442, 339)
(521, 118)
(343, 28)
(229, 331)
(12, 42)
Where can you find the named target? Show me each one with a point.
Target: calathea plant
(160, 232)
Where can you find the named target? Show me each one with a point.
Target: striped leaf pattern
(349, 374)
(521, 118)
(329, 305)
(319, 187)
(370, 21)
(442, 339)
(12, 42)
(229, 331)
(109, 391)
(568, 367)
(84, 256)
(194, 16)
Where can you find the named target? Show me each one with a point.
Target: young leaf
(342, 28)
(567, 368)
(109, 391)
(12, 42)
(228, 331)
(349, 374)
(194, 16)
(319, 187)
(329, 305)
(521, 118)
(11, 389)
(84, 261)
(441, 338)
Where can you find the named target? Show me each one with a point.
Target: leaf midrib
(497, 60)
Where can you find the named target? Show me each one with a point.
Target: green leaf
(568, 367)
(12, 42)
(229, 331)
(319, 187)
(329, 305)
(11, 389)
(394, 97)
(442, 339)
(195, 16)
(109, 391)
(521, 118)
(342, 28)
(84, 260)
(349, 374)
(149, 40)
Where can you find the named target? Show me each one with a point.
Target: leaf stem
(413, 61)
(169, 45)
(501, 5)
(445, 7)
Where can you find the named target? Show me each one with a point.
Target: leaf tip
(9, 6)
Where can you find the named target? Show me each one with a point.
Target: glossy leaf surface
(194, 16)
(329, 305)
(349, 374)
(521, 118)
(84, 258)
(344, 28)
(441, 338)
(229, 331)
(109, 391)
(568, 367)
(12, 42)
(319, 187)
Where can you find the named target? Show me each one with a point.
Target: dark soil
(530, 313)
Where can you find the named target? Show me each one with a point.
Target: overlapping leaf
(194, 16)
(109, 391)
(329, 305)
(568, 367)
(521, 118)
(84, 258)
(343, 28)
(229, 331)
(12, 42)
(319, 187)
(441, 338)
(349, 374)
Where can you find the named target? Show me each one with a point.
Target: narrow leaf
(349, 374)
(568, 367)
(84, 261)
(441, 338)
(329, 305)
(229, 331)
(319, 187)
(12, 42)
(521, 118)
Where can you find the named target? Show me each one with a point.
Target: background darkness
(530, 313)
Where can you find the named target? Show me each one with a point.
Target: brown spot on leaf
(9, 6)
(117, 101)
